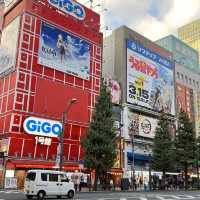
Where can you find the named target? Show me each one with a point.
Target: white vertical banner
(58, 155)
(8, 47)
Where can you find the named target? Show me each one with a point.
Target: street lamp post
(132, 129)
(4, 156)
(150, 186)
(64, 118)
(120, 146)
(197, 164)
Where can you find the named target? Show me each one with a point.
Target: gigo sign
(42, 127)
(70, 7)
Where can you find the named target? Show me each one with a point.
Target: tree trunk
(95, 181)
(186, 177)
(164, 178)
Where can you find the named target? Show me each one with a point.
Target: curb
(141, 191)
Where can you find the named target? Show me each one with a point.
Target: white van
(41, 183)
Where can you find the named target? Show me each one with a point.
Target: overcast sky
(152, 18)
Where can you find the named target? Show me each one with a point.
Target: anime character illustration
(61, 47)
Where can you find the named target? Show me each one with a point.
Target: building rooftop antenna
(6, 2)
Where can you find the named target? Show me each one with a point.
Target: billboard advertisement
(8, 47)
(64, 52)
(143, 125)
(185, 100)
(150, 79)
(115, 91)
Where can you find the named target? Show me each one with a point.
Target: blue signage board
(69, 7)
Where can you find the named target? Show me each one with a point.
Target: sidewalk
(86, 190)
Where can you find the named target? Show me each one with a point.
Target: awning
(137, 156)
(27, 164)
(116, 171)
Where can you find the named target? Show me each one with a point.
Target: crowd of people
(138, 183)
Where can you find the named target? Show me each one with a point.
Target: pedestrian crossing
(149, 197)
(10, 192)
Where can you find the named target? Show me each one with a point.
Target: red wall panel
(53, 98)
(52, 151)
(28, 148)
(15, 146)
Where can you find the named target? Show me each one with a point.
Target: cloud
(153, 29)
(152, 18)
(182, 12)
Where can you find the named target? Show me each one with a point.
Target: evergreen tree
(197, 159)
(185, 143)
(99, 148)
(162, 147)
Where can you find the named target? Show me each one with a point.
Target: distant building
(187, 77)
(145, 73)
(190, 34)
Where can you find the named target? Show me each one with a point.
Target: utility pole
(62, 140)
(120, 146)
(133, 163)
(4, 156)
(132, 130)
(91, 4)
(64, 119)
(150, 186)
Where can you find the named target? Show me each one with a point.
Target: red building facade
(33, 89)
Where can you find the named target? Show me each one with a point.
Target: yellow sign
(4, 145)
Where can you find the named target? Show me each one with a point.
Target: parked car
(42, 183)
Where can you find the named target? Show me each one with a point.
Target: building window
(182, 77)
(178, 75)
(190, 80)
(186, 78)
(194, 82)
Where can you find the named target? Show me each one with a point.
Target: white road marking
(184, 197)
(174, 197)
(10, 192)
(166, 197)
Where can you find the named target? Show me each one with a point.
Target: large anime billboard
(150, 81)
(64, 52)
